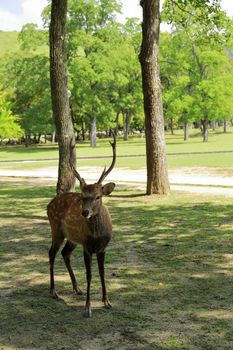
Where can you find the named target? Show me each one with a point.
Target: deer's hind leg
(66, 253)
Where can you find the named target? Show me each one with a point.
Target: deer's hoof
(78, 291)
(87, 312)
(107, 304)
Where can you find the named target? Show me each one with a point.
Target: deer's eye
(97, 197)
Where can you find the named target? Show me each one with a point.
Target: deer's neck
(100, 224)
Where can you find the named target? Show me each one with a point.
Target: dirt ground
(216, 181)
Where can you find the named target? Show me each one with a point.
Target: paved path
(184, 180)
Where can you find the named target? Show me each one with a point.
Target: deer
(82, 218)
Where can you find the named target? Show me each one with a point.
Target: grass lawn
(135, 146)
(169, 272)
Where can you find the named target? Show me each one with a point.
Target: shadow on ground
(169, 271)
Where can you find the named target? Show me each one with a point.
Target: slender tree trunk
(186, 131)
(172, 126)
(27, 140)
(54, 137)
(37, 138)
(205, 129)
(157, 174)
(127, 119)
(117, 123)
(225, 126)
(93, 133)
(59, 94)
(83, 129)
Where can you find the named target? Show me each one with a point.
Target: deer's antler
(106, 172)
(76, 174)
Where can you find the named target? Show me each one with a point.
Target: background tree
(130, 91)
(31, 100)
(92, 35)
(196, 50)
(59, 94)
(30, 37)
(9, 123)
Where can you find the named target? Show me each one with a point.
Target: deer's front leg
(88, 261)
(100, 259)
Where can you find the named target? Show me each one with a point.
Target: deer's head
(92, 194)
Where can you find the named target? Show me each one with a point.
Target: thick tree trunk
(157, 175)
(59, 94)
(93, 133)
(186, 131)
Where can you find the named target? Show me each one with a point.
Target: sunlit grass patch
(130, 153)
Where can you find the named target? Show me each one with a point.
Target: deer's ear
(108, 188)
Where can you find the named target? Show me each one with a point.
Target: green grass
(135, 146)
(169, 271)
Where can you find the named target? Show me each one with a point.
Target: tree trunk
(59, 95)
(93, 133)
(172, 126)
(54, 137)
(205, 130)
(157, 174)
(37, 138)
(27, 140)
(127, 119)
(117, 123)
(225, 126)
(186, 131)
(83, 129)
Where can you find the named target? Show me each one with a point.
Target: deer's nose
(85, 213)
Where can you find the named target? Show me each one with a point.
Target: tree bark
(225, 126)
(93, 132)
(27, 140)
(205, 129)
(127, 120)
(157, 174)
(83, 129)
(172, 126)
(59, 95)
(186, 131)
(117, 123)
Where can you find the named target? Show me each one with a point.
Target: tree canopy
(104, 75)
